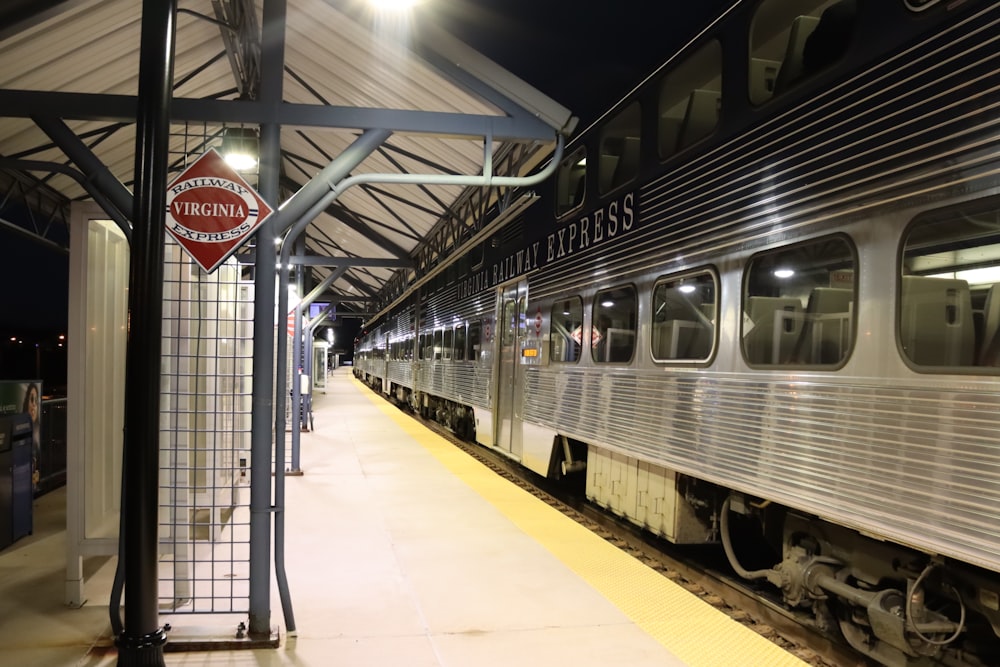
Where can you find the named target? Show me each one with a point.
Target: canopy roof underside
(77, 62)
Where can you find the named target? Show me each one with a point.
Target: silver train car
(760, 305)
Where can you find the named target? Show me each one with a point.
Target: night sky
(585, 55)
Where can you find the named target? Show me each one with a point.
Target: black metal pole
(141, 641)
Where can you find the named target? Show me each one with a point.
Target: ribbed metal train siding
(811, 161)
(896, 457)
(465, 382)
(917, 465)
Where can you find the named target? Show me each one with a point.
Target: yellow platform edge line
(694, 631)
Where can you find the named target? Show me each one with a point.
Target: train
(758, 305)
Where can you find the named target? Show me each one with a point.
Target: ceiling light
(393, 5)
(240, 148)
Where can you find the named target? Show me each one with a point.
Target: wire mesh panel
(205, 437)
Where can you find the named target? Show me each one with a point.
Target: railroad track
(731, 596)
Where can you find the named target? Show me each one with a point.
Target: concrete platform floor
(403, 551)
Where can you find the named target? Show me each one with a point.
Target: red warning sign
(212, 211)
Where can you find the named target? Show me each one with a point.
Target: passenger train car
(759, 304)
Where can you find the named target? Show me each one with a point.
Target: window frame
(778, 9)
(593, 326)
(613, 185)
(567, 165)
(680, 276)
(942, 214)
(552, 320)
(689, 63)
(853, 309)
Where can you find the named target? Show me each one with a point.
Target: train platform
(403, 550)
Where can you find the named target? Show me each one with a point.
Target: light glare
(393, 5)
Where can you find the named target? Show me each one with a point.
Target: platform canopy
(69, 77)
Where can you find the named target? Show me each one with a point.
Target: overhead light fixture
(393, 5)
(241, 148)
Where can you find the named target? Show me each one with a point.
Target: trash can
(15, 478)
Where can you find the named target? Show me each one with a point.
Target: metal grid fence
(205, 437)
(205, 423)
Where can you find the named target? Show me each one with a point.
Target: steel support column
(141, 640)
(273, 58)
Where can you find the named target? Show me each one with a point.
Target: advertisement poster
(25, 396)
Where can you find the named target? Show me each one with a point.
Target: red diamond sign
(212, 211)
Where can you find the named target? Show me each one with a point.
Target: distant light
(783, 273)
(582, 162)
(686, 289)
(62, 336)
(13, 338)
(607, 304)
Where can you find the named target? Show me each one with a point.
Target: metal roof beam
(381, 262)
(121, 108)
(477, 73)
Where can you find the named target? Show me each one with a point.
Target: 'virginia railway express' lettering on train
(602, 225)
(611, 221)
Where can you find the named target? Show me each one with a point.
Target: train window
(612, 335)
(448, 346)
(618, 160)
(566, 335)
(571, 181)
(475, 340)
(690, 100)
(460, 342)
(509, 323)
(798, 304)
(425, 351)
(438, 345)
(790, 40)
(949, 294)
(684, 317)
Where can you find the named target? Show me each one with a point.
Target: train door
(386, 357)
(512, 307)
